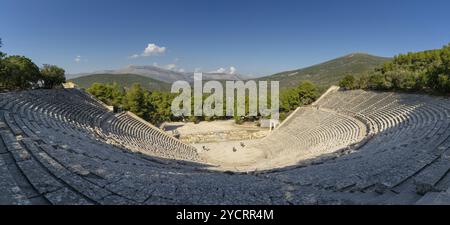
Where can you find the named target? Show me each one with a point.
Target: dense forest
(427, 71)
(152, 106)
(20, 73)
(155, 106)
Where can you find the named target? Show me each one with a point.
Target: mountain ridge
(161, 74)
(323, 74)
(330, 72)
(123, 80)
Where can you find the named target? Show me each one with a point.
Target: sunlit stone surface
(352, 147)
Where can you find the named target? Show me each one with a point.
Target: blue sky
(255, 37)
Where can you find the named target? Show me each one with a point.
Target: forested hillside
(123, 80)
(426, 71)
(330, 72)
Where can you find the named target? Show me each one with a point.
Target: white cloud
(78, 59)
(151, 50)
(134, 56)
(220, 70)
(232, 70)
(171, 66)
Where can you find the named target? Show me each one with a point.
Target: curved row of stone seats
(136, 134)
(76, 170)
(407, 154)
(60, 178)
(84, 116)
(308, 133)
(61, 169)
(49, 155)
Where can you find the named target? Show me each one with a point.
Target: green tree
(52, 76)
(421, 80)
(110, 94)
(158, 106)
(363, 81)
(402, 79)
(20, 72)
(445, 58)
(1, 53)
(115, 94)
(424, 71)
(378, 81)
(305, 93)
(2, 67)
(135, 101)
(444, 83)
(348, 82)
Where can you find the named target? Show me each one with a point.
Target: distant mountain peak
(357, 54)
(330, 72)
